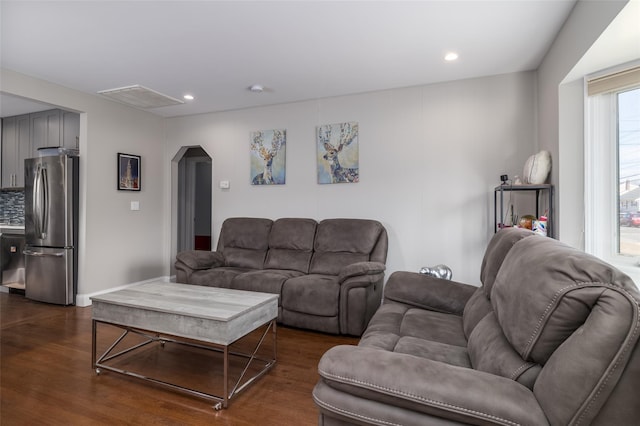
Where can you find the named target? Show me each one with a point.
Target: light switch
(135, 205)
(224, 184)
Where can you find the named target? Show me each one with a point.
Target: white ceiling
(298, 50)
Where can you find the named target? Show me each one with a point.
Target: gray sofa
(550, 338)
(329, 274)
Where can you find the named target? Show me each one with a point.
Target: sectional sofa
(550, 338)
(329, 274)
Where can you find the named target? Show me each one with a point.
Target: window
(612, 169)
(628, 141)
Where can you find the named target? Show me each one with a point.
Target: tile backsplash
(12, 207)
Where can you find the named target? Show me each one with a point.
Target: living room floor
(46, 377)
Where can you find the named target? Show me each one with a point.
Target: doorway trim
(183, 194)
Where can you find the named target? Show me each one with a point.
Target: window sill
(632, 270)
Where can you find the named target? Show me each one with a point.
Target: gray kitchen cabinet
(16, 147)
(70, 130)
(45, 129)
(23, 135)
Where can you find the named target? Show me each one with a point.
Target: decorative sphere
(526, 221)
(438, 271)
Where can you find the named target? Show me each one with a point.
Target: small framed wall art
(129, 171)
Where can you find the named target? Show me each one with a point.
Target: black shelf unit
(539, 189)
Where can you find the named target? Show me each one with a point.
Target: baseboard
(83, 300)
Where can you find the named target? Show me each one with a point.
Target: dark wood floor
(46, 377)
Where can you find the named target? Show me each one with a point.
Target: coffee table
(203, 317)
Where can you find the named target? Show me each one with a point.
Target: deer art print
(266, 156)
(346, 135)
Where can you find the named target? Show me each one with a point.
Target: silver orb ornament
(438, 271)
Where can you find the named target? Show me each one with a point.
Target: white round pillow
(537, 168)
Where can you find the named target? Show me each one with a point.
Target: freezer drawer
(49, 275)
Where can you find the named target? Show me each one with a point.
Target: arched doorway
(192, 182)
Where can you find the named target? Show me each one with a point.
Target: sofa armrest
(430, 387)
(359, 269)
(199, 259)
(427, 292)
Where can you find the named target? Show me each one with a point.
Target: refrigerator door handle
(41, 202)
(38, 253)
(36, 202)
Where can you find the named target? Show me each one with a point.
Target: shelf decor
(537, 167)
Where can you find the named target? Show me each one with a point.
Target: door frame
(183, 194)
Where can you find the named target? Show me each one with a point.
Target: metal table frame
(151, 336)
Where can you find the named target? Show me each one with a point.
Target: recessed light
(256, 88)
(189, 97)
(451, 56)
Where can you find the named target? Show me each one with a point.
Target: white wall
(117, 246)
(563, 124)
(430, 157)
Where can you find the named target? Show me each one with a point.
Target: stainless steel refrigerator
(51, 229)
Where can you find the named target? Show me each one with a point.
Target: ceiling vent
(140, 97)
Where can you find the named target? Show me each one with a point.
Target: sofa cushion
(291, 244)
(490, 351)
(435, 351)
(244, 241)
(453, 395)
(218, 277)
(312, 322)
(330, 263)
(392, 321)
(436, 326)
(479, 305)
(383, 331)
(360, 269)
(340, 242)
(427, 292)
(264, 280)
(476, 308)
(200, 259)
(499, 246)
(540, 303)
(244, 258)
(312, 294)
(597, 365)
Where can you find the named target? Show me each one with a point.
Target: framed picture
(128, 172)
(268, 156)
(337, 153)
